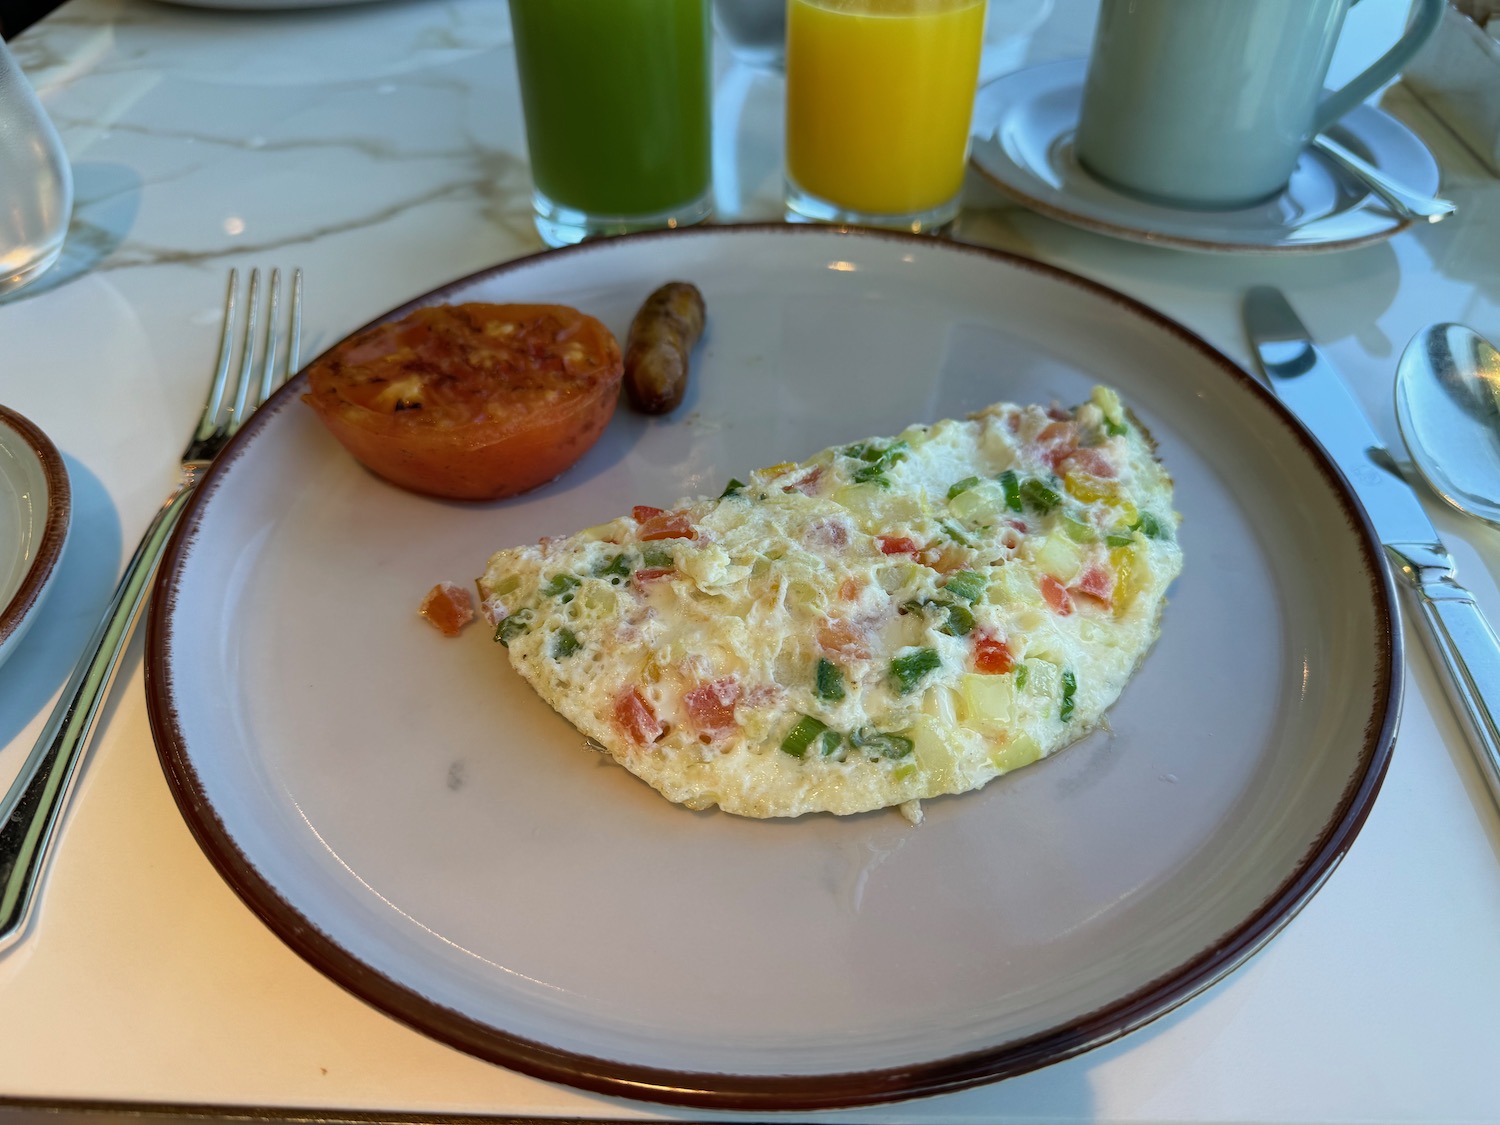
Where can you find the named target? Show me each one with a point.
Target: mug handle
(1383, 69)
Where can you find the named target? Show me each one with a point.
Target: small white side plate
(1023, 143)
(35, 510)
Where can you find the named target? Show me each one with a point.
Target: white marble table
(380, 147)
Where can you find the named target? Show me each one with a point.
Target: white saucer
(1023, 143)
(35, 511)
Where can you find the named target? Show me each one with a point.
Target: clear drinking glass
(754, 30)
(878, 99)
(36, 184)
(618, 113)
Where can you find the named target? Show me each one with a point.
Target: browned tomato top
(472, 402)
(462, 364)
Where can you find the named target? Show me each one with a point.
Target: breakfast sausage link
(656, 351)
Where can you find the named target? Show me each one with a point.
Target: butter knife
(1451, 624)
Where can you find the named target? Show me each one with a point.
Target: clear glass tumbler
(616, 95)
(879, 94)
(36, 183)
(754, 31)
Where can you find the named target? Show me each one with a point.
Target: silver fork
(31, 808)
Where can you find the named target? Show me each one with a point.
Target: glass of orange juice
(878, 99)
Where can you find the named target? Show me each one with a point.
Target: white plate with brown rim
(35, 515)
(409, 817)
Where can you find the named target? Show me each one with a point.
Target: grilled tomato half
(470, 402)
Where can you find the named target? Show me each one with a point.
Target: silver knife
(1452, 626)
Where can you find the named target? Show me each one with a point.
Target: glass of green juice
(616, 95)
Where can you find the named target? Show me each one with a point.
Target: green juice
(616, 97)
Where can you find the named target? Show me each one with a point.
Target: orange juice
(879, 94)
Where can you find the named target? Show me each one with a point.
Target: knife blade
(1451, 624)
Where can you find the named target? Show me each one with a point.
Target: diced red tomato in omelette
(658, 524)
(634, 714)
(1056, 596)
(711, 706)
(1096, 582)
(992, 656)
(897, 545)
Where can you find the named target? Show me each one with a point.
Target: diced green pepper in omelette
(886, 621)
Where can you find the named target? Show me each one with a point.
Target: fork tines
(254, 346)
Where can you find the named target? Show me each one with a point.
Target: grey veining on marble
(282, 100)
(154, 125)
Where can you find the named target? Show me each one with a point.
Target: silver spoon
(1406, 203)
(1448, 408)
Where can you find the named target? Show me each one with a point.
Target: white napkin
(1457, 75)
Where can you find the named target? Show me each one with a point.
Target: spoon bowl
(1448, 408)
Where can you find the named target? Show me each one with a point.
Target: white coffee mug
(1209, 103)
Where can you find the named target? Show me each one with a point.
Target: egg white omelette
(886, 621)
